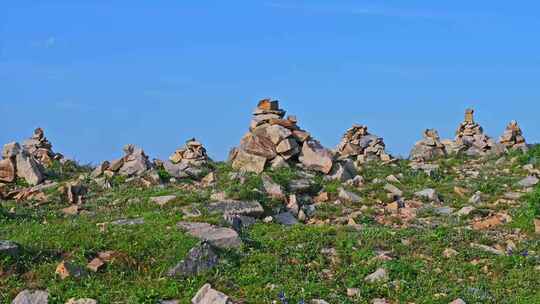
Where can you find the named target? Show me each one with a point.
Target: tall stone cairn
(361, 146)
(471, 140)
(513, 138)
(429, 148)
(275, 141)
(193, 153)
(40, 148)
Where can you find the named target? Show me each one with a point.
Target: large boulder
(28, 169)
(7, 170)
(249, 162)
(315, 157)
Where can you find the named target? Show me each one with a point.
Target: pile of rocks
(358, 144)
(40, 148)
(276, 141)
(188, 162)
(513, 138)
(471, 140)
(133, 163)
(429, 148)
(17, 162)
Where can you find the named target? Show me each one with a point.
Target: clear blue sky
(97, 74)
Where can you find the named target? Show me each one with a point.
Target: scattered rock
(163, 200)
(353, 292)
(193, 153)
(207, 295)
(318, 301)
(300, 185)
(286, 219)
(128, 222)
(476, 198)
(528, 182)
(491, 222)
(199, 259)
(450, 253)
(349, 196)
(246, 208)
(393, 190)
(217, 236)
(95, 265)
(81, 301)
(537, 226)
(487, 249)
(9, 248)
(429, 194)
(32, 297)
(465, 211)
(458, 301)
(379, 301)
(378, 276)
(67, 269)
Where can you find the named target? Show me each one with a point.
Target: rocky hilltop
(283, 220)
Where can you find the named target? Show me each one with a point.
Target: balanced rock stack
(513, 138)
(133, 163)
(40, 148)
(276, 141)
(471, 140)
(17, 162)
(361, 146)
(188, 161)
(429, 148)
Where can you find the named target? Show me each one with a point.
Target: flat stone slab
(246, 208)
(220, 237)
(286, 219)
(163, 200)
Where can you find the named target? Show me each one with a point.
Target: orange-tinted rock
(7, 171)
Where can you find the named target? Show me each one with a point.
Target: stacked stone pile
(188, 161)
(17, 162)
(513, 138)
(471, 140)
(275, 141)
(40, 148)
(429, 148)
(358, 144)
(133, 163)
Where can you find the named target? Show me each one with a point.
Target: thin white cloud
(357, 10)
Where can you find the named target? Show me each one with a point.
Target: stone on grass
(429, 194)
(246, 208)
(349, 196)
(273, 189)
(207, 295)
(198, 260)
(9, 248)
(393, 190)
(163, 200)
(286, 218)
(528, 182)
(378, 276)
(32, 297)
(487, 249)
(465, 211)
(81, 301)
(128, 222)
(537, 226)
(458, 301)
(224, 238)
(318, 301)
(300, 186)
(68, 270)
(95, 265)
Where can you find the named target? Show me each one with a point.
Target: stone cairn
(17, 162)
(471, 140)
(188, 161)
(361, 146)
(429, 148)
(133, 163)
(275, 141)
(40, 148)
(513, 138)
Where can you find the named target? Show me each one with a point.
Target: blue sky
(99, 74)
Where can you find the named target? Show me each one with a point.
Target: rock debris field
(283, 220)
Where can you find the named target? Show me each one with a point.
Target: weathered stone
(249, 162)
(315, 157)
(11, 150)
(7, 170)
(9, 248)
(66, 269)
(393, 190)
(537, 226)
(429, 148)
(378, 276)
(349, 196)
(207, 295)
(32, 297)
(286, 219)
(217, 236)
(258, 145)
(513, 139)
(358, 145)
(458, 301)
(163, 200)
(343, 171)
(300, 185)
(95, 265)
(81, 301)
(274, 190)
(528, 182)
(277, 133)
(128, 222)
(199, 259)
(247, 208)
(100, 169)
(429, 194)
(28, 169)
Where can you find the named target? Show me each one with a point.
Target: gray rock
(273, 189)
(430, 194)
(217, 236)
(318, 301)
(378, 276)
(393, 190)
(9, 248)
(32, 297)
(199, 259)
(128, 222)
(315, 157)
(176, 170)
(349, 196)
(286, 219)
(163, 200)
(207, 295)
(249, 162)
(247, 208)
(443, 210)
(300, 186)
(528, 182)
(81, 301)
(28, 169)
(465, 211)
(476, 198)
(343, 171)
(135, 164)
